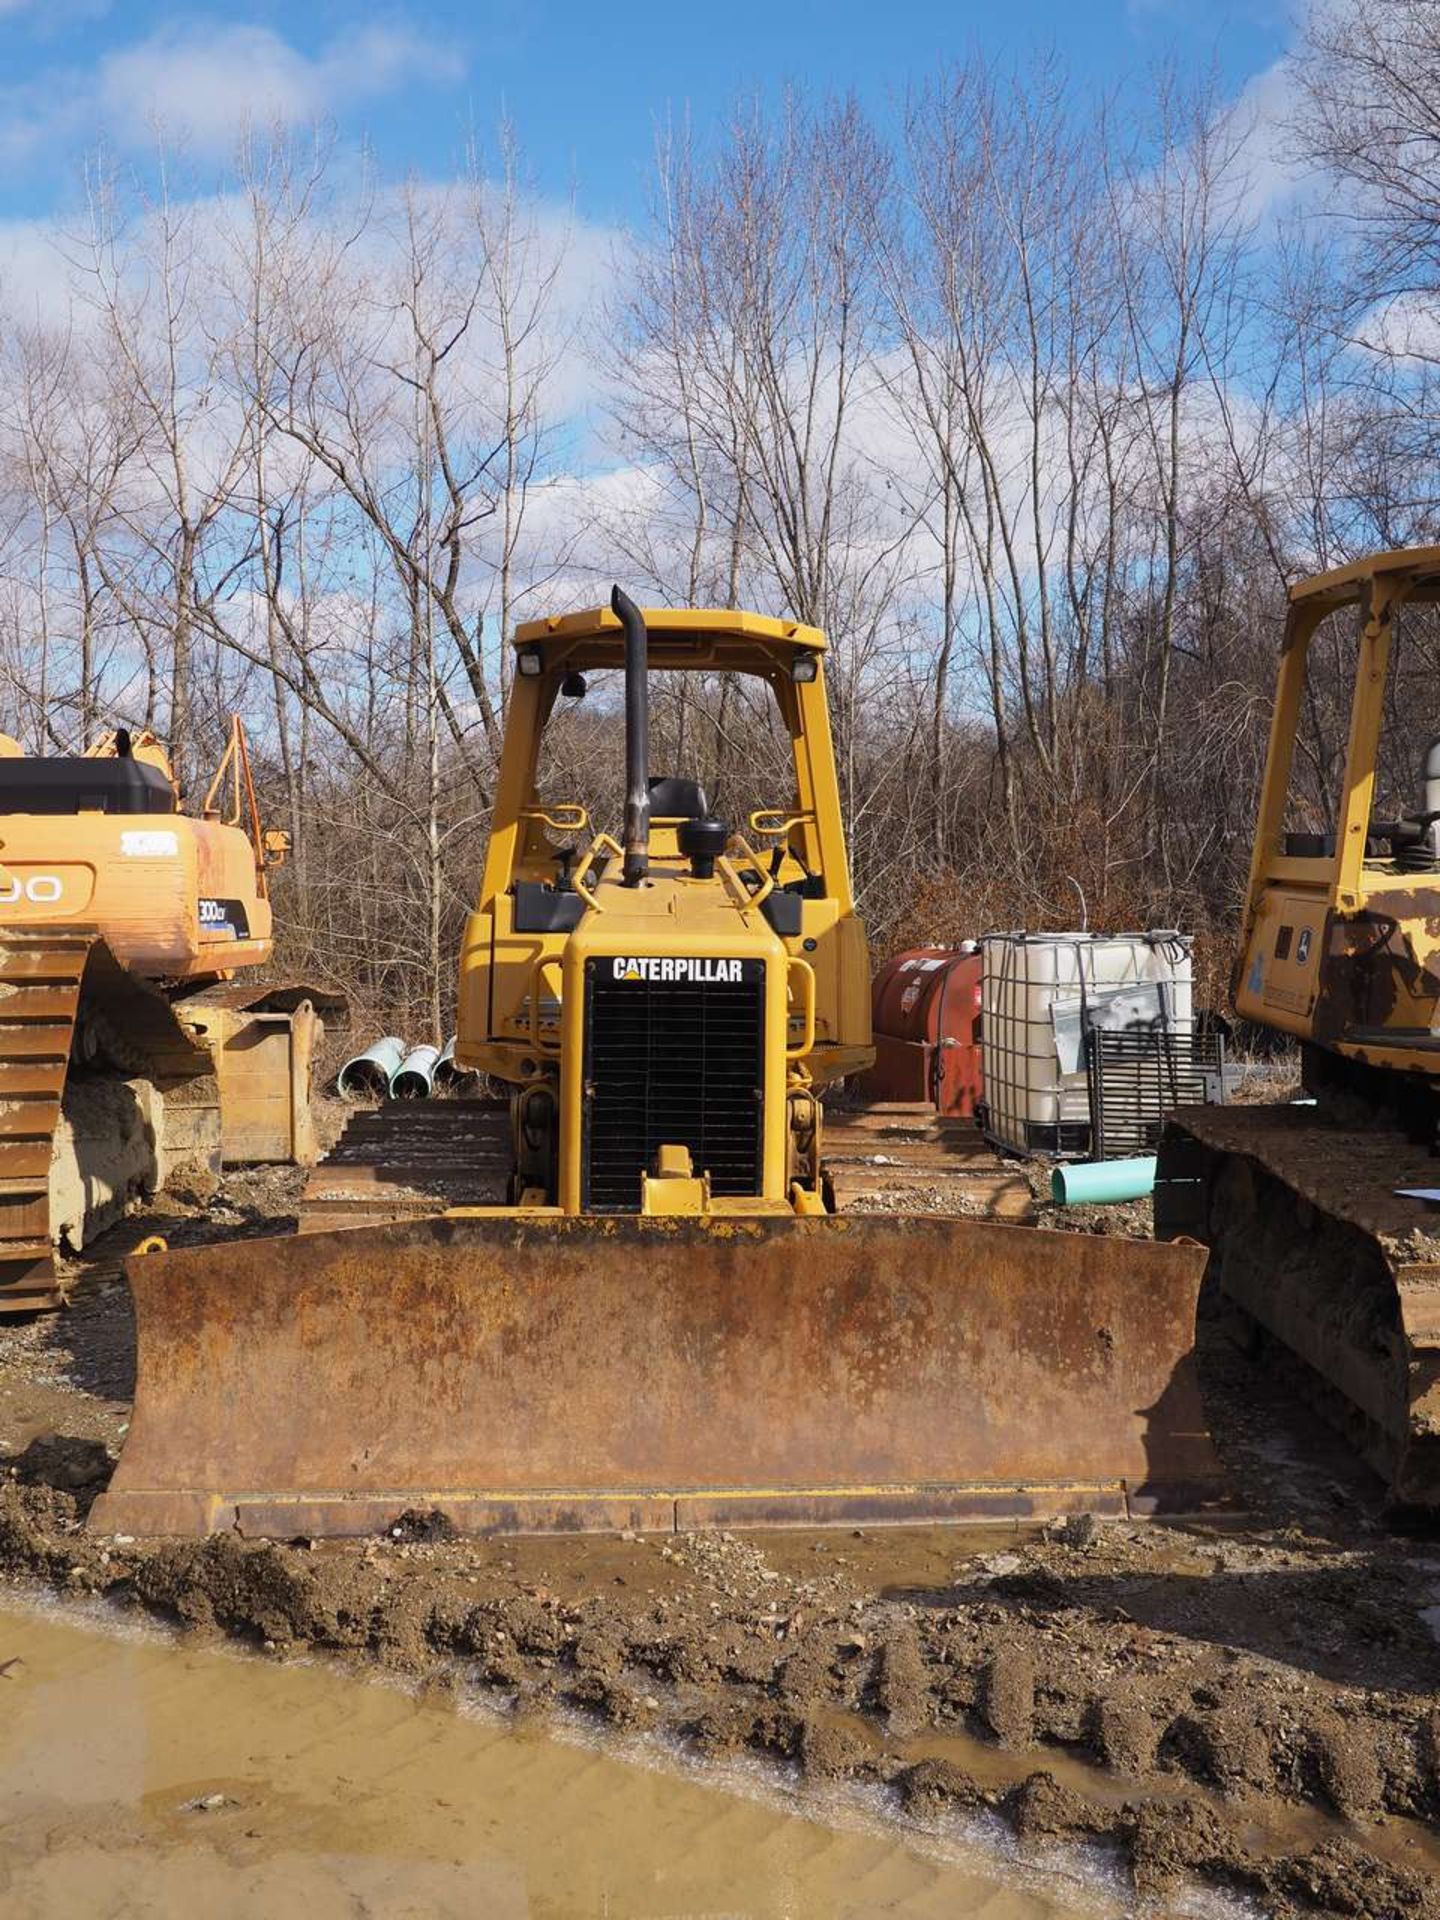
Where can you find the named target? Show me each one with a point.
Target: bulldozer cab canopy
(696, 638)
(765, 755)
(1365, 700)
(1413, 571)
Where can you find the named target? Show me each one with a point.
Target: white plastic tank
(1039, 995)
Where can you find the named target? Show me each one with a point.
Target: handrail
(729, 872)
(807, 1040)
(602, 843)
(785, 821)
(537, 974)
(550, 819)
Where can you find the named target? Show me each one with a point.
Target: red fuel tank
(925, 1006)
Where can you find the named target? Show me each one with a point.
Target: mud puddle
(140, 1776)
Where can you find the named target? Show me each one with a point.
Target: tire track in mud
(1253, 1706)
(1014, 1687)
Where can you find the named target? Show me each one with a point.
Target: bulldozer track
(407, 1159)
(46, 980)
(1324, 1260)
(896, 1155)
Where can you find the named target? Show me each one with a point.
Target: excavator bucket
(530, 1374)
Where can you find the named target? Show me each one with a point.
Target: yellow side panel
(1280, 975)
(854, 1023)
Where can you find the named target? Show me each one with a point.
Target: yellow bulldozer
(126, 1047)
(1323, 1246)
(667, 1325)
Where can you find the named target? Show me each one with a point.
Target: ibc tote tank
(1038, 993)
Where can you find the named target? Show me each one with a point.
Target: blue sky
(583, 83)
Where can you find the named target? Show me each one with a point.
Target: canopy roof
(679, 636)
(1343, 585)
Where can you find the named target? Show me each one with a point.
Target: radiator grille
(671, 1062)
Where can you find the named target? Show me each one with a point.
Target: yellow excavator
(667, 1326)
(1324, 1246)
(126, 1048)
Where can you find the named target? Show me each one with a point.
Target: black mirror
(573, 687)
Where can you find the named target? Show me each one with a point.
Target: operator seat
(1415, 839)
(675, 799)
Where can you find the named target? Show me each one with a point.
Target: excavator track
(1320, 1258)
(40, 980)
(63, 997)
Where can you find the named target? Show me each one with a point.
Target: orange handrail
(243, 810)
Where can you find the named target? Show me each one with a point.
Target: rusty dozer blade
(528, 1375)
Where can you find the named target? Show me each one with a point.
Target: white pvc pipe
(371, 1072)
(414, 1078)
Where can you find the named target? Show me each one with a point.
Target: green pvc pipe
(1097, 1183)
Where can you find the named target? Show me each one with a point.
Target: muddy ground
(1251, 1704)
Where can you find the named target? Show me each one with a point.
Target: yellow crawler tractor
(125, 1048)
(1320, 1245)
(667, 1326)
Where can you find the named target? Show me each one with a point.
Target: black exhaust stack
(637, 737)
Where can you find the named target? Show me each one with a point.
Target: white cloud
(206, 85)
(1406, 328)
(1262, 117)
(35, 282)
(212, 84)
